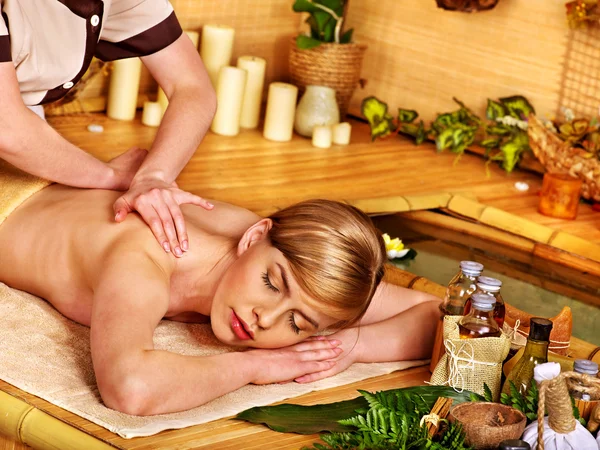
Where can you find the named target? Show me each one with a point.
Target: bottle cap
(471, 268)
(586, 366)
(540, 329)
(489, 284)
(514, 444)
(483, 302)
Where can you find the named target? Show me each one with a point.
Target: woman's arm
(399, 325)
(30, 144)
(180, 72)
(131, 296)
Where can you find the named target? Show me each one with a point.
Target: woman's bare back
(55, 243)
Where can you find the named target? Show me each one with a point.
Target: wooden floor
(261, 175)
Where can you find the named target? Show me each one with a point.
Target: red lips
(240, 328)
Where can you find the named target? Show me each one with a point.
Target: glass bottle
(479, 323)
(490, 286)
(514, 444)
(536, 352)
(460, 287)
(587, 367)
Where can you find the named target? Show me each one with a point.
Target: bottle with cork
(536, 352)
(460, 287)
(490, 286)
(479, 323)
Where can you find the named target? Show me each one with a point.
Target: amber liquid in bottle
(499, 312)
(475, 330)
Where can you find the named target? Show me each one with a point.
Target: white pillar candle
(341, 133)
(281, 108)
(152, 114)
(161, 97)
(230, 94)
(322, 135)
(123, 89)
(255, 82)
(216, 49)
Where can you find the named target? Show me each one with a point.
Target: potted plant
(326, 55)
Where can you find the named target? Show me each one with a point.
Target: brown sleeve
(135, 28)
(4, 40)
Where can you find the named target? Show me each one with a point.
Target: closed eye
(267, 282)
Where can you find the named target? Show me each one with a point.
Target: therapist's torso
(52, 42)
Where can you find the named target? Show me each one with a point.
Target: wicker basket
(336, 66)
(559, 157)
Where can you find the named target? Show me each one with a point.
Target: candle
(341, 133)
(216, 49)
(254, 89)
(559, 196)
(161, 97)
(123, 89)
(230, 94)
(281, 108)
(322, 135)
(152, 114)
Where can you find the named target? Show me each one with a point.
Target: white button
(68, 85)
(95, 20)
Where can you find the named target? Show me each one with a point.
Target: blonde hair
(335, 254)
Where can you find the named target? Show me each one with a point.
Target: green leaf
(376, 113)
(407, 115)
(346, 37)
(494, 110)
(421, 133)
(513, 149)
(487, 393)
(490, 143)
(307, 42)
(517, 106)
(499, 130)
(444, 139)
(314, 419)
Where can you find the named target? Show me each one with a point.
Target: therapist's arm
(180, 72)
(29, 143)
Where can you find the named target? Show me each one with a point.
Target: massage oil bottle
(536, 352)
(479, 323)
(460, 287)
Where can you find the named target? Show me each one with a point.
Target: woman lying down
(267, 285)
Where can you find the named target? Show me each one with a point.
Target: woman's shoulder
(225, 220)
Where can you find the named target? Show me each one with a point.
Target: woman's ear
(254, 234)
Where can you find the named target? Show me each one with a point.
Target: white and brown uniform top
(51, 42)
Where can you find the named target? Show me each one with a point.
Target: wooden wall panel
(421, 56)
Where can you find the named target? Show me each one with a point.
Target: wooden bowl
(486, 425)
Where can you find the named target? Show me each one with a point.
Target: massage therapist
(45, 49)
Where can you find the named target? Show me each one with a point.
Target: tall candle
(161, 97)
(230, 95)
(281, 108)
(123, 89)
(255, 82)
(216, 49)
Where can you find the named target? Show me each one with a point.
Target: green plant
(503, 136)
(326, 19)
(393, 421)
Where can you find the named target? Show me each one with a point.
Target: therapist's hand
(158, 204)
(125, 166)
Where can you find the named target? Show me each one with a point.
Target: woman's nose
(266, 317)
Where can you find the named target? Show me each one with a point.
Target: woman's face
(259, 304)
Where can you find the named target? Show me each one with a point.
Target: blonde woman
(267, 285)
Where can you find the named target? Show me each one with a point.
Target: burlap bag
(469, 363)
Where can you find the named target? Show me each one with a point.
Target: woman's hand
(289, 363)
(348, 339)
(125, 166)
(158, 204)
